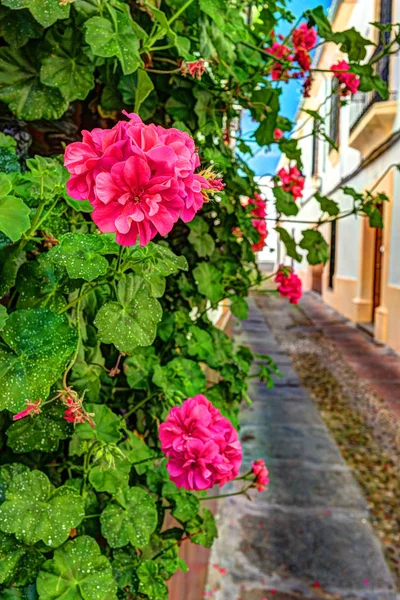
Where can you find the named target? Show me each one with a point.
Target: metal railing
(361, 102)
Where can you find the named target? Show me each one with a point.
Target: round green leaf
(110, 479)
(32, 511)
(78, 571)
(107, 428)
(150, 582)
(14, 217)
(7, 473)
(19, 563)
(42, 432)
(39, 344)
(208, 279)
(132, 321)
(46, 12)
(180, 376)
(21, 88)
(133, 520)
(80, 254)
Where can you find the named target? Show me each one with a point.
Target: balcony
(371, 118)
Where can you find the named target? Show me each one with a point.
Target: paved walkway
(308, 536)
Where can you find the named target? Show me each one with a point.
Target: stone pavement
(308, 536)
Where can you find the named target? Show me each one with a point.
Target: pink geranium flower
(32, 408)
(278, 134)
(139, 178)
(304, 37)
(279, 70)
(202, 445)
(289, 284)
(349, 82)
(303, 58)
(261, 226)
(292, 181)
(261, 475)
(195, 69)
(258, 206)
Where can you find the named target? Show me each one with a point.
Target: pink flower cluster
(139, 178)
(292, 181)
(261, 475)
(259, 211)
(349, 82)
(303, 39)
(289, 284)
(202, 445)
(195, 69)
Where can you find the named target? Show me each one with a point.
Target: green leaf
(19, 564)
(132, 520)
(14, 217)
(22, 90)
(316, 246)
(7, 474)
(199, 343)
(285, 202)
(205, 524)
(46, 12)
(80, 254)
(114, 37)
(209, 281)
(139, 367)
(327, 205)
(200, 238)
(33, 511)
(107, 423)
(150, 582)
(290, 244)
(41, 284)
(38, 346)
(137, 451)
(86, 378)
(292, 151)
(217, 10)
(18, 27)
(354, 44)
(144, 87)
(240, 308)
(3, 316)
(78, 571)
(67, 67)
(132, 321)
(185, 504)
(110, 479)
(42, 432)
(180, 376)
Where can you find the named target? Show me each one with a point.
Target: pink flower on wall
(304, 37)
(261, 226)
(139, 178)
(292, 181)
(289, 284)
(349, 82)
(202, 445)
(258, 206)
(280, 70)
(261, 475)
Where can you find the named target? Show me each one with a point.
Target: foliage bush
(125, 333)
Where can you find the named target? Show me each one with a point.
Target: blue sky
(264, 162)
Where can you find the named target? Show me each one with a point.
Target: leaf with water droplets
(80, 254)
(132, 520)
(39, 344)
(78, 570)
(115, 37)
(33, 511)
(132, 321)
(150, 582)
(41, 432)
(7, 473)
(19, 564)
(46, 12)
(3, 316)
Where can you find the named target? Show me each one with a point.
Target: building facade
(362, 278)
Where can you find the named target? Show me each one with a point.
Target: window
(314, 160)
(332, 258)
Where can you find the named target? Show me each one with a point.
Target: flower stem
(218, 496)
(139, 405)
(180, 11)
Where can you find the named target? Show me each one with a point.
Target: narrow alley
(309, 535)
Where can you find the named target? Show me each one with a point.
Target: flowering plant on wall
(121, 228)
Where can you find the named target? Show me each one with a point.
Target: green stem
(180, 11)
(139, 405)
(218, 496)
(79, 298)
(75, 355)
